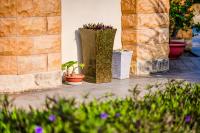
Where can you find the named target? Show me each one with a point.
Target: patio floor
(187, 68)
(196, 50)
(118, 88)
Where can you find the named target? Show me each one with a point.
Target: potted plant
(70, 75)
(121, 63)
(97, 42)
(181, 19)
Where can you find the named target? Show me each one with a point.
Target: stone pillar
(145, 30)
(196, 8)
(30, 44)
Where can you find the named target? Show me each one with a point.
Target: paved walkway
(196, 50)
(119, 88)
(187, 68)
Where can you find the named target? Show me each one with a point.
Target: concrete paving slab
(119, 88)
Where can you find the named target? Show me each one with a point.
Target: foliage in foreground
(181, 16)
(177, 109)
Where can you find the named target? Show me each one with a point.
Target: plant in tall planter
(97, 42)
(70, 75)
(181, 18)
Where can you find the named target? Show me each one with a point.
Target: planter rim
(122, 51)
(97, 30)
(178, 44)
(177, 40)
(78, 76)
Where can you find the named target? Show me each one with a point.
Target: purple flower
(117, 115)
(38, 129)
(104, 115)
(188, 119)
(52, 118)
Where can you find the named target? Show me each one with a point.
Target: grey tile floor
(187, 68)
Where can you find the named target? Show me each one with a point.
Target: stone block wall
(30, 44)
(196, 8)
(145, 31)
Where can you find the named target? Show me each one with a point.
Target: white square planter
(121, 62)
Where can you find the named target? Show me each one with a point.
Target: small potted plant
(70, 75)
(181, 19)
(97, 42)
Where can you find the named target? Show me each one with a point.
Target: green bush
(181, 16)
(177, 109)
(196, 1)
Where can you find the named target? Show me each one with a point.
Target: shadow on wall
(79, 47)
(152, 36)
(158, 32)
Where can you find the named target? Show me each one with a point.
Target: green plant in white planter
(121, 64)
(97, 42)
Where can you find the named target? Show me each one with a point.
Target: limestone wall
(30, 44)
(145, 31)
(197, 13)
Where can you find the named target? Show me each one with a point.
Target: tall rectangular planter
(97, 47)
(121, 64)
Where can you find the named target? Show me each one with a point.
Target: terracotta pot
(74, 78)
(176, 48)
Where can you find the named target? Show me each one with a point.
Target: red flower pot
(74, 78)
(176, 49)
